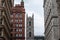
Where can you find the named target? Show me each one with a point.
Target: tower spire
(22, 3)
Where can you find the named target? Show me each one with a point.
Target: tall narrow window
(16, 30)
(16, 20)
(16, 35)
(11, 16)
(16, 16)
(20, 35)
(20, 15)
(20, 20)
(20, 30)
(20, 25)
(29, 34)
(29, 23)
(16, 25)
(12, 20)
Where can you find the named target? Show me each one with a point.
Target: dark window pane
(29, 34)
(29, 23)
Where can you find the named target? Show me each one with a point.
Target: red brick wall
(15, 10)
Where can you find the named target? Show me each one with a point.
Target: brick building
(5, 25)
(18, 22)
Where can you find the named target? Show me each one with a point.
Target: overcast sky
(35, 7)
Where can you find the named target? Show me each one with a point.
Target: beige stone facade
(51, 19)
(5, 25)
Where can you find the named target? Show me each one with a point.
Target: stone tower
(30, 28)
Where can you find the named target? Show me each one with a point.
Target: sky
(35, 7)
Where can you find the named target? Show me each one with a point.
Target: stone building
(39, 38)
(30, 28)
(18, 21)
(5, 25)
(51, 19)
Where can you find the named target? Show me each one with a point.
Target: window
(20, 35)
(20, 15)
(16, 20)
(20, 25)
(16, 25)
(12, 20)
(16, 30)
(11, 15)
(20, 20)
(29, 23)
(16, 35)
(20, 30)
(16, 16)
(29, 28)
(29, 34)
